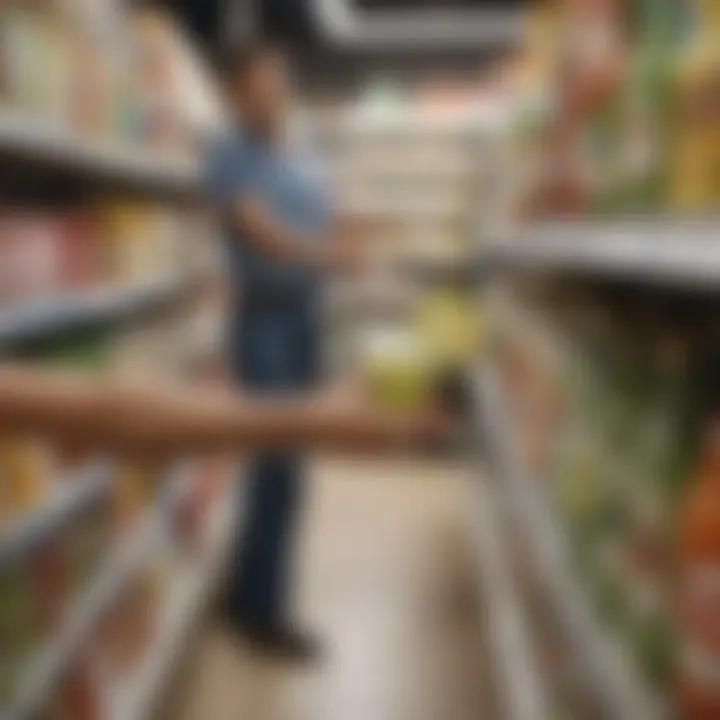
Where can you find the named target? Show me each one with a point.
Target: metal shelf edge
(610, 676)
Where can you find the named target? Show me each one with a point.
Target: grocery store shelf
(603, 669)
(74, 496)
(35, 140)
(84, 309)
(684, 253)
(521, 688)
(185, 602)
(44, 674)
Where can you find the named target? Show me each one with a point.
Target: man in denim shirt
(282, 238)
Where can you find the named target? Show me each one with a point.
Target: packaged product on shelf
(52, 583)
(156, 89)
(85, 543)
(92, 94)
(25, 469)
(130, 626)
(84, 254)
(531, 104)
(647, 107)
(135, 490)
(650, 637)
(21, 630)
(5, 59)
(29, 252)
(699, 592)
(39, 256)
(144, 240)
(20, 57)
(76, 697)
(55, 80)
(695, 159)
(190, 518)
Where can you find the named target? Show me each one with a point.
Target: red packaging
(36, 256)
(77, 698)
(6, 241)
(51, 585)
(698, 696)
(82, 263)
(193, 510)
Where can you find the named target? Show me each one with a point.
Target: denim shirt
(290, 183)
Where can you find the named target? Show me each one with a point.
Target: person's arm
(269, 236)
(176, 422)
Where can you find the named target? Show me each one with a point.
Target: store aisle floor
(387, 578)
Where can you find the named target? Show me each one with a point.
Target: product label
(700, 648)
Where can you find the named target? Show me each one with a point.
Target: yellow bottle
(695, 182)
(134, 490)
(24, 473)
(451, 328)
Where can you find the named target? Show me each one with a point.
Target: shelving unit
(103, 306)
(74, 496)
(186, 599)
(521, 688)
(185, 602)
(98, 167)
(85, 614)
(56, 151)
(684, 254)
(601, 666)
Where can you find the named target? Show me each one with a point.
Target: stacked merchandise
(46, 584)
(614, 110)
(410, 173)
(81, 68)
(104, 562)
(610, 411)
(127, 244)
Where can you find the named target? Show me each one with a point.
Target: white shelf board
(670, 251)
(73, 495)
(607, 672)
(43, 675)
(39, 318)
(522, 691)
(34, 138)
(186, 599)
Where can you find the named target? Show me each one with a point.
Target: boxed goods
(622, 414)
(21, 628)
(25, 469)
(621, 121)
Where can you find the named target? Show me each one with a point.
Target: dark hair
(238, 62)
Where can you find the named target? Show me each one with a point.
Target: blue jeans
(275, 351)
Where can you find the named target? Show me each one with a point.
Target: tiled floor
(386, 577)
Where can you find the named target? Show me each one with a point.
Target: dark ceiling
(290, 21)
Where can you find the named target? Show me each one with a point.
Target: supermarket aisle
(388, 580)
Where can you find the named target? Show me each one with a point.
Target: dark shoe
(283, 642)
